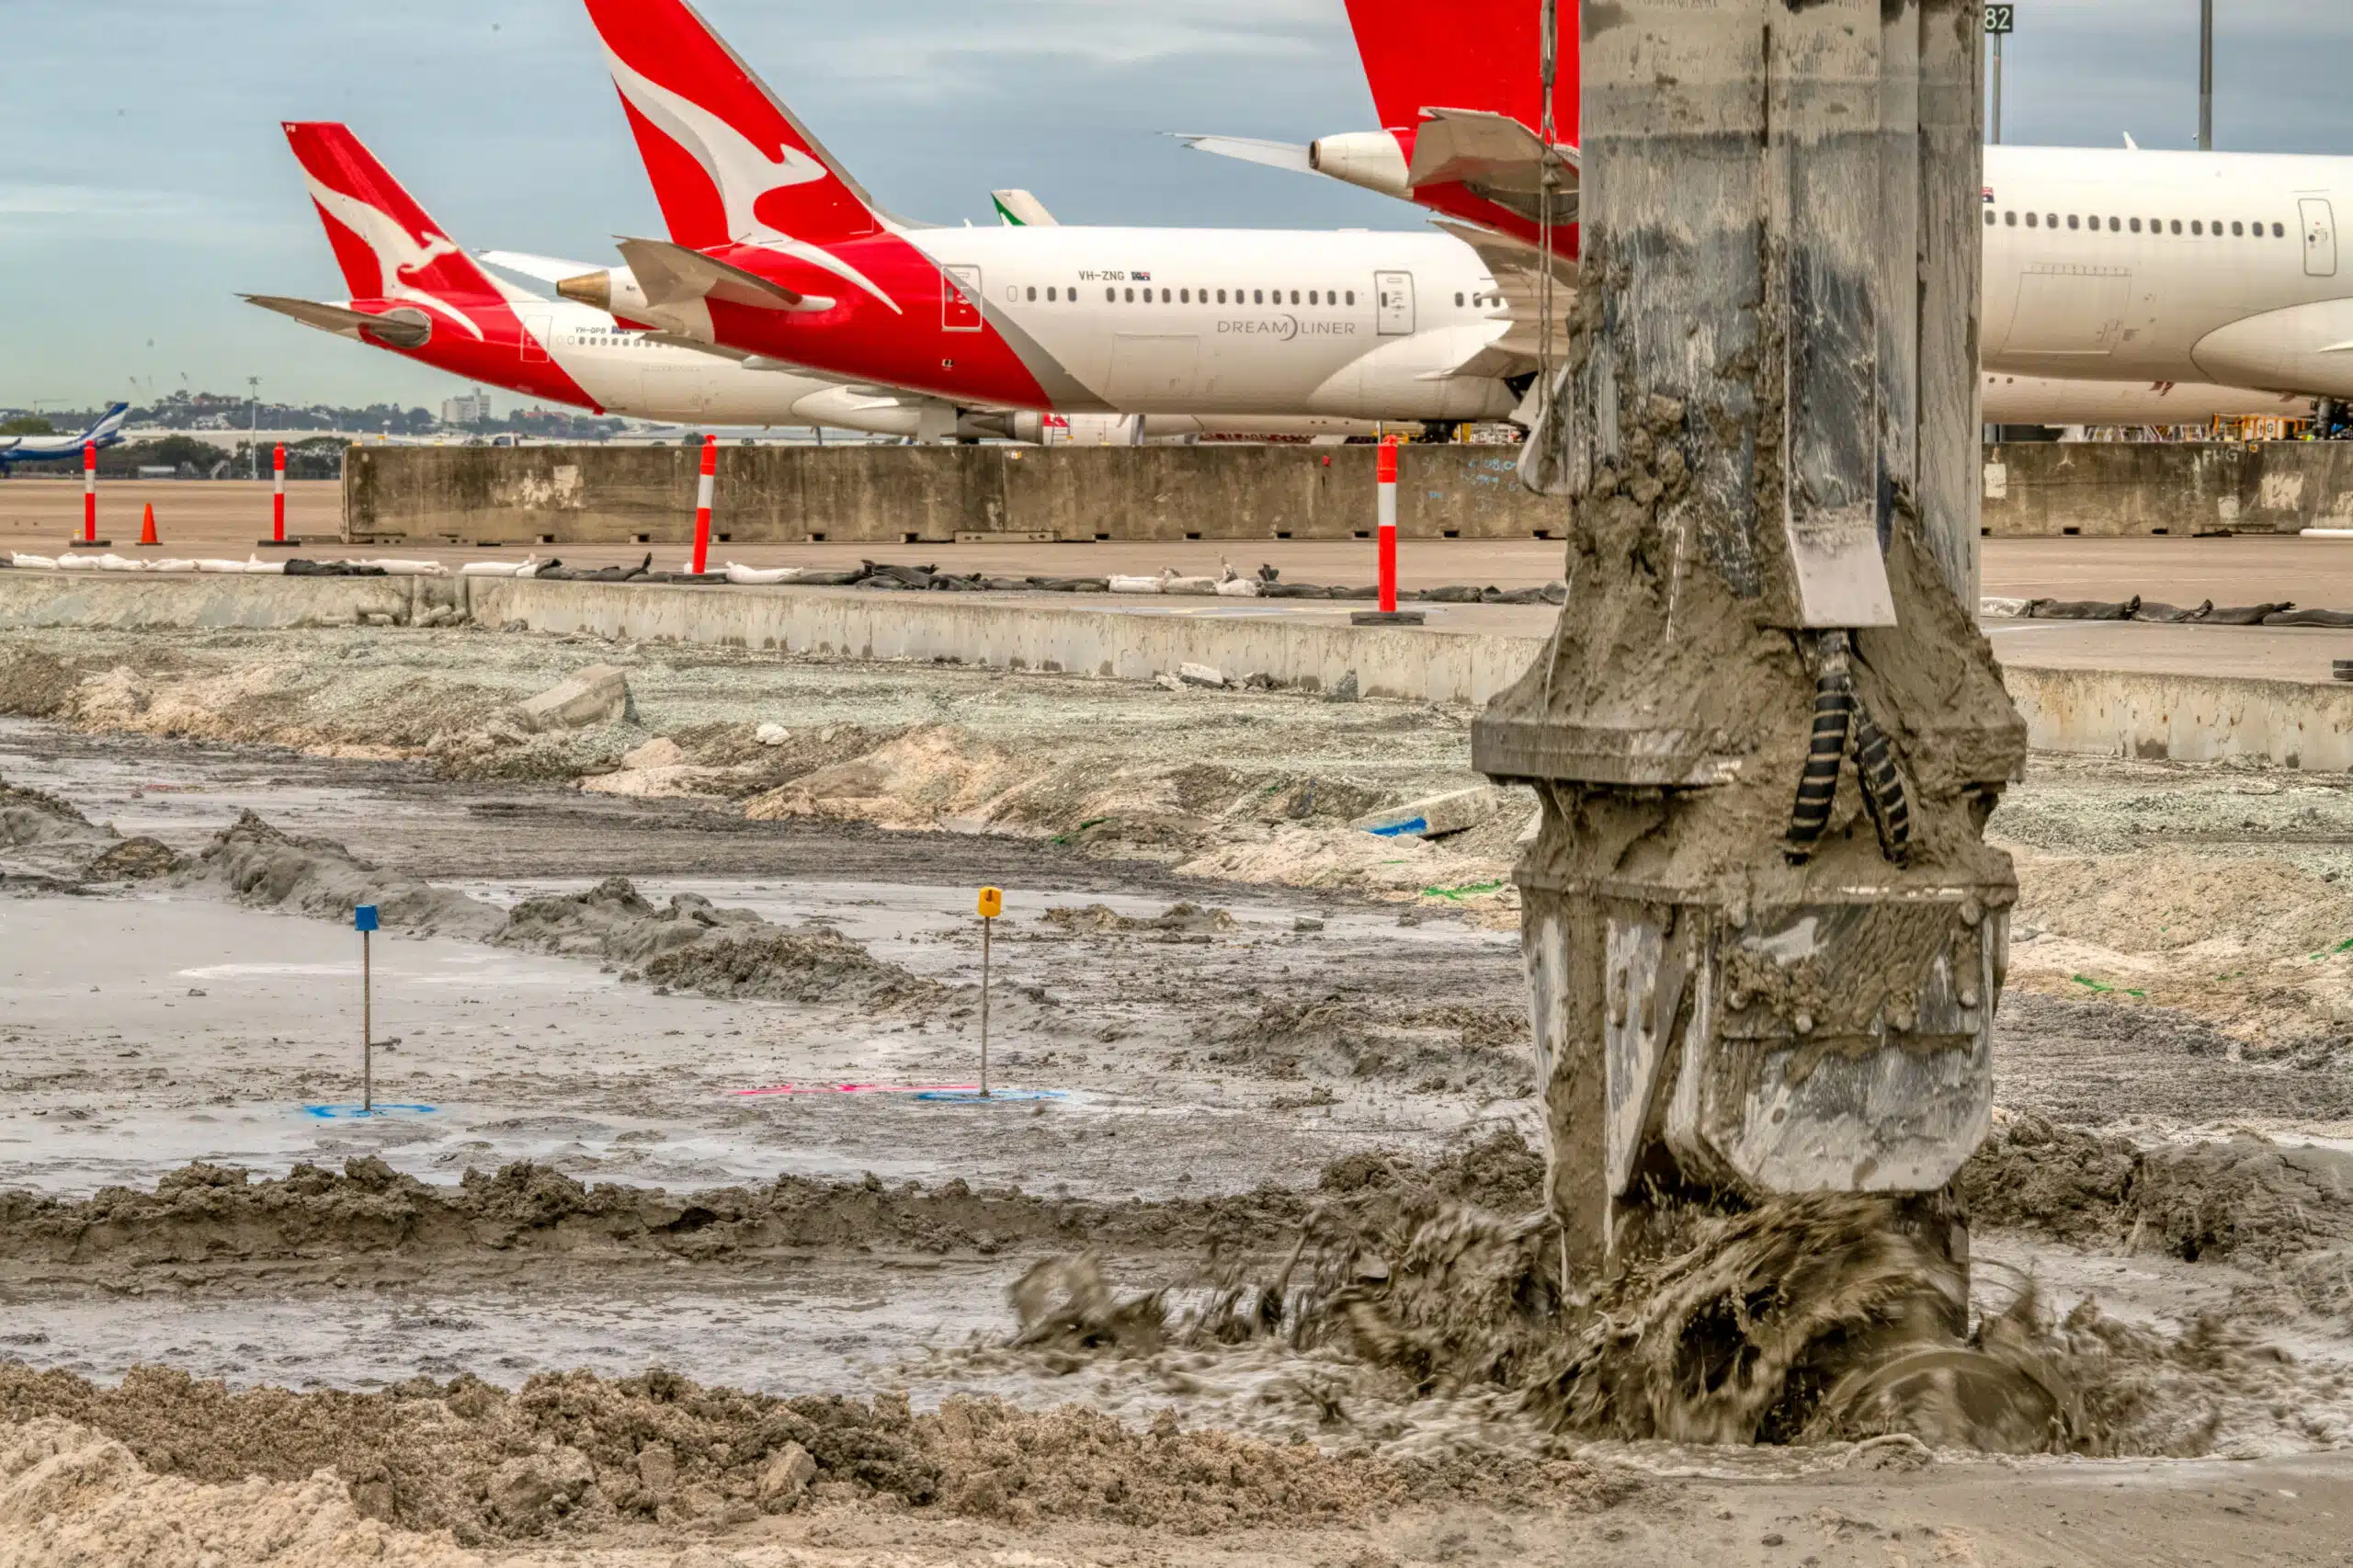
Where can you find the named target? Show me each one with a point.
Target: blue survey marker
(363, 918)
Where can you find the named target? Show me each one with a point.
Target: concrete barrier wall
(890, 495)
(2039, 490)
(2103, 712)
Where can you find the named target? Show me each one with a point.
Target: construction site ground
(575, 1297)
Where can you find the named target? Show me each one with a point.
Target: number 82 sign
(2001, 18)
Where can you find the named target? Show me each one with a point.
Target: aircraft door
(2320, 237)
(1393, 293)
(535, 339)
(960, 299)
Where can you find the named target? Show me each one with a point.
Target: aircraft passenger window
(1220, 296)
(1049, 295)
(2236, 231)
(2032, 220)
(2196, 227)
(1132, 296)
(1111, 296)
(2136, 225)
(2177, 225)
(2073, 221)
(2011, 220)
(1261, 297)
(2053, 218)
(1989, 217)
(1183, 296)
(1294, 296)
(1034, 296)
(2116, 225)
(2279, 230)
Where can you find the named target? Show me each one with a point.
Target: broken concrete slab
(598, 695)
(1200, 675)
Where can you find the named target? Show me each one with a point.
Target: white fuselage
(636, 375)
(1198, 321)
(2132, 266)
(1186, 322)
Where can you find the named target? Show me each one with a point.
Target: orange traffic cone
(147, 538)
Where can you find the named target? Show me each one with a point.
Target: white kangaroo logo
(740, 169)
(398, 254)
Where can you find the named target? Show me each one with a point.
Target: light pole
(2000, 20)
(2205, 76)
(253, 443)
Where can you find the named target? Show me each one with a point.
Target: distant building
(471, 408)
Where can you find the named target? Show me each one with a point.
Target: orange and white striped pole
(702, 503)
(277, 493)
(1388, 523)
(90, 492)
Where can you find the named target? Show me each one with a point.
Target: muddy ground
(686, 1241)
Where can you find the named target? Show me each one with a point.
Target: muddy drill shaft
(1763, 933)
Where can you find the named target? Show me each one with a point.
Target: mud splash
(1804, 1322)
(576, 1455)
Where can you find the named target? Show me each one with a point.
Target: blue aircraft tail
(108, 431)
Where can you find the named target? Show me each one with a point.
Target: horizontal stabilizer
(403, 326)
(1494, 156)
(546, 269)
(673, 275)
(1250, 150)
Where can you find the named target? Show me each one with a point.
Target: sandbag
(2083, 609)
(1071, 585)
(298, 568)
(1119, 583)
(395, 567)
(1238, 588)
(1199, 587)
(2245, 615)
(1367, 591)
(760, 577)
(2310, 618)
(828, 579)
(1269, 589)
(2172, 614)
(1514, 596)
(905, 576)
(495, 568)
(1453, 594)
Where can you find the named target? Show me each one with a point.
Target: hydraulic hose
(1834, 716)
(1882, 788)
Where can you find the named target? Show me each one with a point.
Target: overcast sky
(144, 183)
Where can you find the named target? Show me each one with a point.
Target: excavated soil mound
(1174, 924)
(258, 865)
(689, 945)
(694, 944)
(1452, 1045)
(576, 1454)
(2245, 1198)
(206, 1213)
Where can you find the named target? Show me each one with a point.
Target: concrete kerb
(2151, 715)
(1106, 640)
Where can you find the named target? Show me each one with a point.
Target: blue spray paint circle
(354, 1113)
(994, 1096)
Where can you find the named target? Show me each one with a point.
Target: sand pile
(45, 840)
(69, 1495)
(575, 1455)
